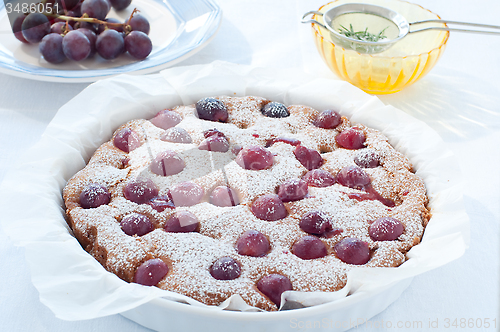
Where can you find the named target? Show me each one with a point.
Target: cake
(246, 196)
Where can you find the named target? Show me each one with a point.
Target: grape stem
(86, 18)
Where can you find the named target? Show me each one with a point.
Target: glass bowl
(390, 71)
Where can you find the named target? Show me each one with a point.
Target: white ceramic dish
(179, 28)
(75, 286)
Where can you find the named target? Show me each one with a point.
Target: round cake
(246, 196)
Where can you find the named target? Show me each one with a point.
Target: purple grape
(167, 163)
(309, 158)
(120, 4)
(139, 23)
(140, 190)
(34, 27)
(76, 45)
(275, 110)
(224, 196)
(255, 158)
(51, 48)
(328, 119)
(367, 158)
(351, 138)
(309, 247)
(86, 25)
(225, 268)
(292, 190)
(385, 229)
(253, 243)
(161, 203)
(352, 251)
(92, 37)
(353, 177)
(213, 132)
(17, 28)
(136, 224)
(151, 272)
(94, 195)
(138, 45)
(186, 194)
(176, 135)
(60, 27)
(110, 44)
(211, 109)
(126, 140)
(96, 8)
(166, 119)
(273, 285)
(215, 144)
(319, 178)
(269, 207)
(314, 222)
(182, 222)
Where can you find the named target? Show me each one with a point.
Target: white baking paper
(75, 286)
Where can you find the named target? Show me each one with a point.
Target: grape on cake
(247, 196)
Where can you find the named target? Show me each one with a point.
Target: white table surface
(460, 99)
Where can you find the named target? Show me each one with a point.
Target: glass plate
(179, 28)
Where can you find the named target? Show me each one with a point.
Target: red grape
(225, 268)
(17, 28)
(182, 222)
(167, 163)
(139, 23)
(352, 251)
(110, 44)
(140, 190)
(253, 243)
(292, 190)
(215, 143)
(92, 37)
(254, 158)
(327, 119)
(176, 135)
(224, 196)
(353, 177)
(385, 229)
(319, 178)
(96, 8)
(151, 272)
(314, 222)
(76, 45)
(34, 27)
(351, 138)
(136, 224)
(309, 247)
(160, 203)
(367, 158)
(211, 109)
(273, 285)
(291, 141)
(94, 195)
(126, 140)
(186, 194)
(269, 207)
(60, 27)
(120, 4)
(138, 45)
(51, 48)
(166, 119)
(309, 158)
(275, 110)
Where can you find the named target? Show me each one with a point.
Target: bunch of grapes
(81, 29)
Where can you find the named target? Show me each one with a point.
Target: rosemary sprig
(362, 35)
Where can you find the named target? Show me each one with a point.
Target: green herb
(362, 35)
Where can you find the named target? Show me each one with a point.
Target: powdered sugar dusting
(190, 255)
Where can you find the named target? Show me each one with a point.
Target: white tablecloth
(459, 99)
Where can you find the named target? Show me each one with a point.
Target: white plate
(179, 28)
